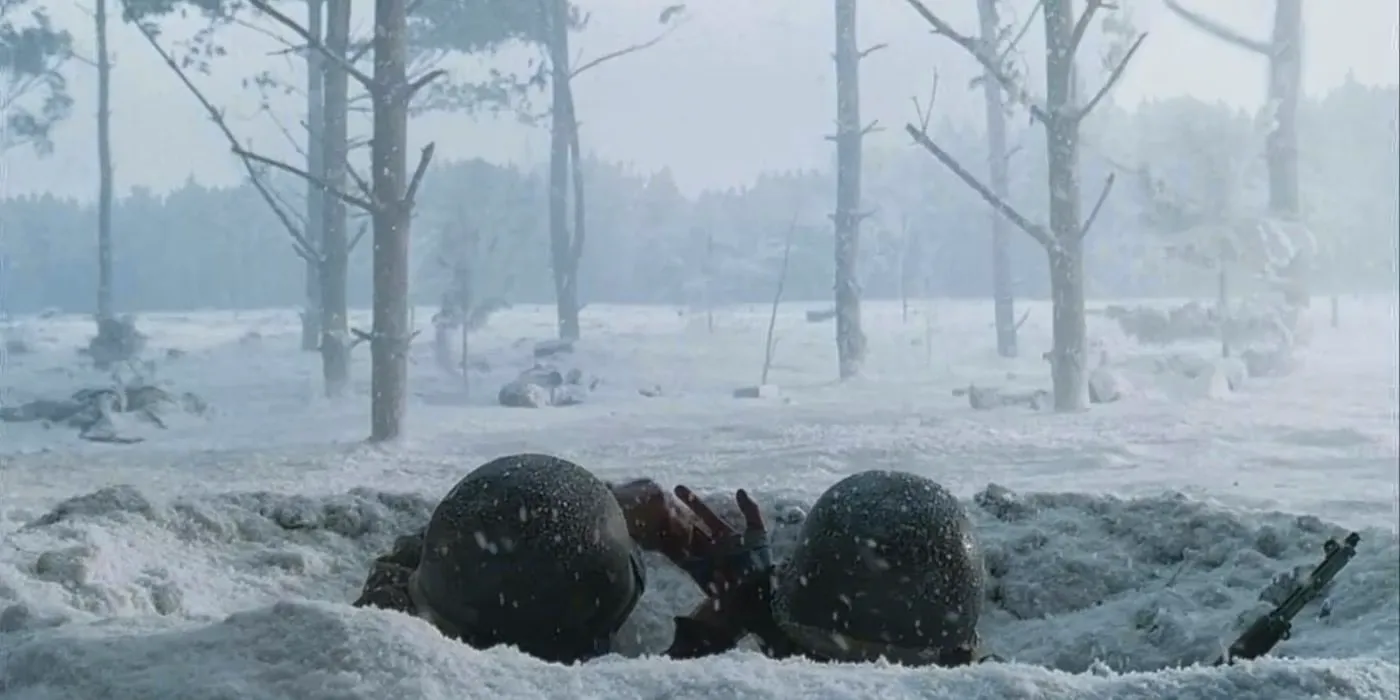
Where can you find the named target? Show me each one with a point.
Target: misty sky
(742, 87)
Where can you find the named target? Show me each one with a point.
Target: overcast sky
(742, 87)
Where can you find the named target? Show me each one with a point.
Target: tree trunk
(850, 340)
(332, 148)
(104, 165)
(1068, 365)
(312, 316)
(561, 131)
(1281, 147)
(998, 162)
(388, 155)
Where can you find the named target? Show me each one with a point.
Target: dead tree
(315, 211)
(390, 205)
(1060, 114)
(335, 363)
(388, 197)
(992, 34)
(331, 148)
(566, 246)
(1284, 52)
(104, 166)
(850, 339)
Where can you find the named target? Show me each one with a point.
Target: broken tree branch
(292, 169)
(423, 81)
(360, 182)
(314, 42)
(359, 235)
(1219, 31)
(1112, 79)
(1081, 27)
(1098, 205)
(424, 159)
(925, 114)
(871, 50)
(974, 47)
(300, 244)
(1035, 231)
(634, 48)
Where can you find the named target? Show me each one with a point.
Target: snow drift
(241, 595)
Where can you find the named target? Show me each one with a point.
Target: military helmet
(887, 565)
(532, 551)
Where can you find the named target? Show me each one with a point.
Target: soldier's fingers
(753, 517)
(716, 524)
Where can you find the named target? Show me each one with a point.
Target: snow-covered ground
(1127, 543)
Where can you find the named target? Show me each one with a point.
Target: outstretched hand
(720, 558)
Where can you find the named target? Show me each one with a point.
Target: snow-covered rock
(523, 394)
(1106, 385)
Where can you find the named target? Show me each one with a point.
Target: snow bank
(239, 596)
(311, 651)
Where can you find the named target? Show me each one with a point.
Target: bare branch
(423, 160)
(289, 46)
(926, 114)
(300, 244)
(360, 182)
(423, 81)
(1219, 31)
(871, 128)
(871, 50)
(634, 48)
(318, 182)
(359, 235)
(313, 42)
(1081, 27)
(277, 121)
(1035, 231)
(1025, 28)
(1094, 213)
(975, 47)
(1112, 79)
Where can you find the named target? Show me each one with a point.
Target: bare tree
(332, 148)
(315, 156)
(104, 165)
(1061, 115)
(850, 339)
(388, 196)
(565, 154)
(1284, 52)
(996, 35)
(322, 254)
(566, 248)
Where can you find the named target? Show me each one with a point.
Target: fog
(737, 91)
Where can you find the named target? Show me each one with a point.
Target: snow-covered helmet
(887, 566)
(530, 551)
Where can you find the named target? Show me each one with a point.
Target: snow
(1125, 544)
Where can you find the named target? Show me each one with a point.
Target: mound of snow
(314, 651)
(243, 596)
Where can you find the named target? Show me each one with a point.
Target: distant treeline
(200, 247)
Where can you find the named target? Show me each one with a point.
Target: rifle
(1275, 626)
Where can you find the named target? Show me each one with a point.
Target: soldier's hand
(726, 563)
(656, 521)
